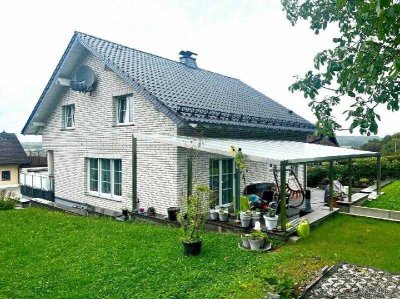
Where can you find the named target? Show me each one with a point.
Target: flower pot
(191, 248)
(254, 218)
(172, 213)
(245, 241)
(271, 222)
(214, 215)
(245, 219)
(255, 244)
(223, 216)
(151, 211)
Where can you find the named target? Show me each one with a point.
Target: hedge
(364, 171)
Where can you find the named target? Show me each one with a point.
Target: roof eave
(49, 84)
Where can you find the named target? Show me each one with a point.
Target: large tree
(363, 67)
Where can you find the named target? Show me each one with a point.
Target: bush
(7, 201)
(364, 171)
(194, 212)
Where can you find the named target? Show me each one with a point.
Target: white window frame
(98, 193)
(129, 116)
(220, 180)
(9, 178)
(65, 108)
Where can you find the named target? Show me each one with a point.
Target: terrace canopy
(278, 152)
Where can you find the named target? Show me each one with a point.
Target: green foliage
(240, 162)
(390, 200)
(258, 235)
(244, 203)
(61, 255)
(194, 212)
(7, 201)
(388, 146)
(239, 158)
(363, 66)
(271, 212)
(373, 145)
(282, 285)
(364, 171)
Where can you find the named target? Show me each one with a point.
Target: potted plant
(256, 240)
(172, 213)
(151, 211)
(245, 214)
(255, 216)
(245, 240)
(223, 214)
(192, 217)
(125, 211)
(271, 219)
(245, 218)
(214, 214)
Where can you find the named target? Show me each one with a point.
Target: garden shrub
(7, 201)
(364, 171)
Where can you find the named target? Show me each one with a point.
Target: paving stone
(349, 281)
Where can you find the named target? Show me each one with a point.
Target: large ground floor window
(105, 177)
(222, 180)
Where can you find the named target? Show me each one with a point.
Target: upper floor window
(69, 116)
(6, 175)
(125, 110)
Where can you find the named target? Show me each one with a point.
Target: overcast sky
(250, 40)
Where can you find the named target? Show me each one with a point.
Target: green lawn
(55, 255)
(388, 201)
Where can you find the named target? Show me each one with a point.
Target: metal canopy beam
(331, 186)
(189, 175)
(350, 180)
(379, 175)
(283, 195)
(237, 189)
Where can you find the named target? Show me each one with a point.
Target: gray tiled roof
(11, 150)
(217, 99)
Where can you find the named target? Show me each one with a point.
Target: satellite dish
(84, 79)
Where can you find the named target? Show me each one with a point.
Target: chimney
(187, 59)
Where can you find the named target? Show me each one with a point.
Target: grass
(54, 255)
(388, 201)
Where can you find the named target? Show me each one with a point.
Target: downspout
(134, 173)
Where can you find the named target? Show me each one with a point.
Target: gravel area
(351, 281)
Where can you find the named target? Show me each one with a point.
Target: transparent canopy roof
(270, 151)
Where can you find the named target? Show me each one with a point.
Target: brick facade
(161, 169)
(97, 135)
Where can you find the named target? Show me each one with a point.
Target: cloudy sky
(250, 40)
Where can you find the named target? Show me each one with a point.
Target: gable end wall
(95, 135)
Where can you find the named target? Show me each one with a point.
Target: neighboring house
(89, 137)
(12, 156)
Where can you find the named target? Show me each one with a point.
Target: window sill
(97, 195)
(124, 125)
(67, 129)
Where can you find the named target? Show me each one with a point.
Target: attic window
(69, 116)
(125, 110)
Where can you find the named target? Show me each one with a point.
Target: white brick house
(90, 137)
